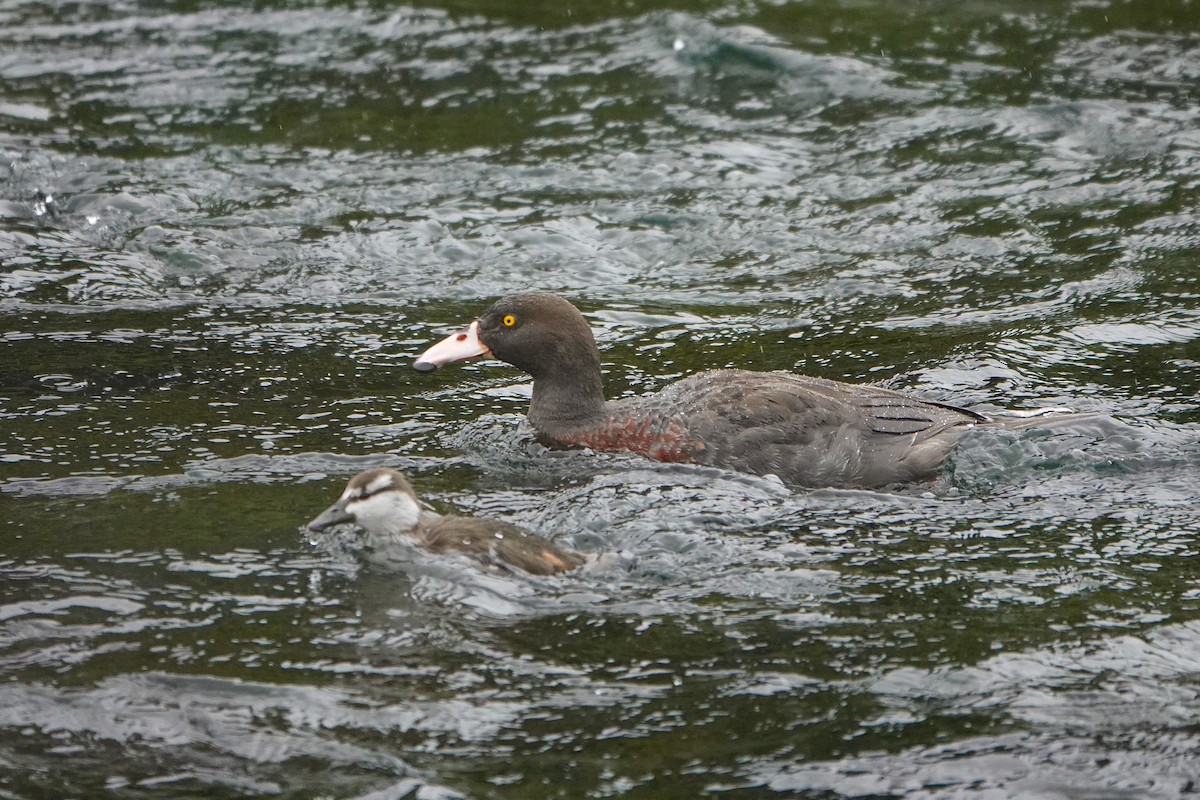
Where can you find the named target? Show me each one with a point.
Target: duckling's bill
(336, 514)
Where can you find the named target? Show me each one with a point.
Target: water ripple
(226, 231)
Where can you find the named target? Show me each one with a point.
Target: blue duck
(807, 431)
(383, 503)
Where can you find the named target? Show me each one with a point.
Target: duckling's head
(380, 501)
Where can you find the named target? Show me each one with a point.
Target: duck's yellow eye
(509, 320)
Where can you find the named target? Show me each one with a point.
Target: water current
(226, 229)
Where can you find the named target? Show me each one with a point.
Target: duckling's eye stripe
(377, 485)
(509, 320)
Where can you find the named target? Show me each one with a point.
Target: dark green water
(226, 229)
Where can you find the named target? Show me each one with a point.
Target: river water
(226, 229)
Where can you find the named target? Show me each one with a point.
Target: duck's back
(496, 541)
(808, 431)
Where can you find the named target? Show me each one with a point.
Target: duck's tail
(1039, 418)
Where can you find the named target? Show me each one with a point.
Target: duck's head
(380, 501)
(540, 333)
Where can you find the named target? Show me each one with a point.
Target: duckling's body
(383, 503)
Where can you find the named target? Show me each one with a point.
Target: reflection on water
(224, 233)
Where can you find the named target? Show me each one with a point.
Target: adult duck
(807, 431)
(382, 502)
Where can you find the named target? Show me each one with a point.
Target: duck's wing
(815, 432)
(495, 541)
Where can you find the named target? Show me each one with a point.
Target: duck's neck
(564, 402)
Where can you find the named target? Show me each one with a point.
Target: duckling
(382, 502)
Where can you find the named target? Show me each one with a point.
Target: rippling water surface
(226, 229)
